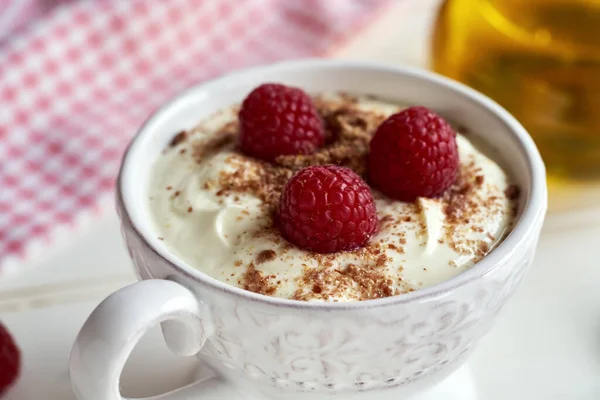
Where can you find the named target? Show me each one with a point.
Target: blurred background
(78, 77)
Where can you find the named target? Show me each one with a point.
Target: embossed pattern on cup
(277, 346)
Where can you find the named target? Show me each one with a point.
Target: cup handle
(113, 329)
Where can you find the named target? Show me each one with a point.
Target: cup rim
(534, 208)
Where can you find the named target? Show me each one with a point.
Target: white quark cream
(212, 220)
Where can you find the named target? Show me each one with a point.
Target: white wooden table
(546, 345)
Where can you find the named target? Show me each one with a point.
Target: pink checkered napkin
(77, 80)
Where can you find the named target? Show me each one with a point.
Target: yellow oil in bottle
(540, 59)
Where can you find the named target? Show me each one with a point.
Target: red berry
(327, 209)
(413, 154)
(10, 360)
(278, 120)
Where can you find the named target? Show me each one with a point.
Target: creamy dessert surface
(215, 207)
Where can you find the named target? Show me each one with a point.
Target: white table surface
(545, 345)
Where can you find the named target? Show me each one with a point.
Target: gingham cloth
(77, 78)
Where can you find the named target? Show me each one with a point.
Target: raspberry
(413, 154)
(327, 209)
(10, 360)
(278, 120)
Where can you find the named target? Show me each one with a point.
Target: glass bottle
(540, 59)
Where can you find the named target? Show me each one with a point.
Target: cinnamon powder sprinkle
(369, 280)
(179, 138)
(364, 283)
(254, 281)
(462, 204)
(265, 256)
(512, 192)
(457, 200)
(214, 145)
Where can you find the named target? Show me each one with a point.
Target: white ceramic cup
(276, 348)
